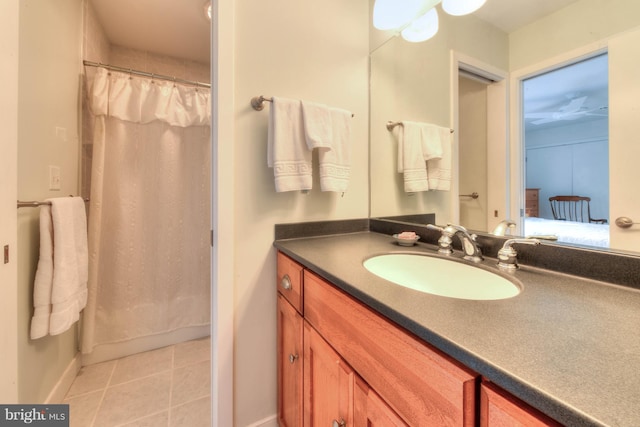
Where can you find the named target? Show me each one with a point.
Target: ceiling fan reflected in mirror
(573, 110)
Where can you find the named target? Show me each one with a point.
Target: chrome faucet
(470, 247)
(503, 226)
(508, 257)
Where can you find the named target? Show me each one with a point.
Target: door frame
(497, 135)
(222, 213)
(516, 145)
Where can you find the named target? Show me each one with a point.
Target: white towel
(411, 157)
(335, 164)
(317, 125)
(60, 287)
(287, 151)
(432, 138)
(439, 168)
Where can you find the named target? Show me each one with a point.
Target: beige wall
(50, 40)
(315, 51)
(8, 195)
(577, 25)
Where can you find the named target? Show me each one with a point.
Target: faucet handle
(508, 257)
(445, 240)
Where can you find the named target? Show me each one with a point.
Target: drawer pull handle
(286, 282)
(340, 423)
(293, 358)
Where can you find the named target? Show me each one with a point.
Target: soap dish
(406, 241)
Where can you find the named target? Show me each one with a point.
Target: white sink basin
(442, 277)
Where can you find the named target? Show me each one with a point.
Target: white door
(624, 146)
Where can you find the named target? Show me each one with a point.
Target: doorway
(479, 110)
(472, 140)
(566, 146)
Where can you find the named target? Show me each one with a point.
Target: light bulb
(461, 7)
(422, 28)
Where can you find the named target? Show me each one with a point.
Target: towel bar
(257, 102)
(473, 195)
(35, 204)
(391, 125)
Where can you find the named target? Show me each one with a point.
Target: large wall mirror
(516, 135)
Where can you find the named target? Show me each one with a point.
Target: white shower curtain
(149, 238)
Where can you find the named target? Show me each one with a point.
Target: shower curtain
(149, 222)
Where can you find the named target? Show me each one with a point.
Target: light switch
(54, 178)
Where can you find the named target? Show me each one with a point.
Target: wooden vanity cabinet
(290, 343)
(290, 281)
(371, 410)
(499, 408)
(422, 385)
(328, 383)
(290, 373)
(342, 364)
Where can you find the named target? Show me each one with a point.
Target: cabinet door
(290, 345)
(424, 386)
(371, 410)
(328, 384)
(500, 409)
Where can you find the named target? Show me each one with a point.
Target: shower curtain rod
(145, 74)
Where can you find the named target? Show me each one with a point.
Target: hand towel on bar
(287, 151)
(439, 169)
(335, 164)
(317, 125)
(432, 138)
(60, 287)
(411, 158)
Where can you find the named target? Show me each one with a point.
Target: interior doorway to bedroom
(566, 146)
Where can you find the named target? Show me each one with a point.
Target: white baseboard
(104, 352)
(271, 421)
(63, 385)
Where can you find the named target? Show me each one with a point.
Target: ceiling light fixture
(417, 20)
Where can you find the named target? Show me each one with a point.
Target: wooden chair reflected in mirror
(573, 208)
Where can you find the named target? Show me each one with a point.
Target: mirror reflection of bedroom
(566, 141)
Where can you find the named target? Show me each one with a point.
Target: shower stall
(149, 215)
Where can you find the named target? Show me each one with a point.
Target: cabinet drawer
(290, 280)
(498, 408)
(421, 384)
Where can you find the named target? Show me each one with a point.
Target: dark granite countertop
(566, 345)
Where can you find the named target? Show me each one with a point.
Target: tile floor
(168, 387)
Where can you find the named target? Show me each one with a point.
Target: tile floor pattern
(168, 387)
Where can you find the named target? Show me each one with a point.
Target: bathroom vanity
(355, 349)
